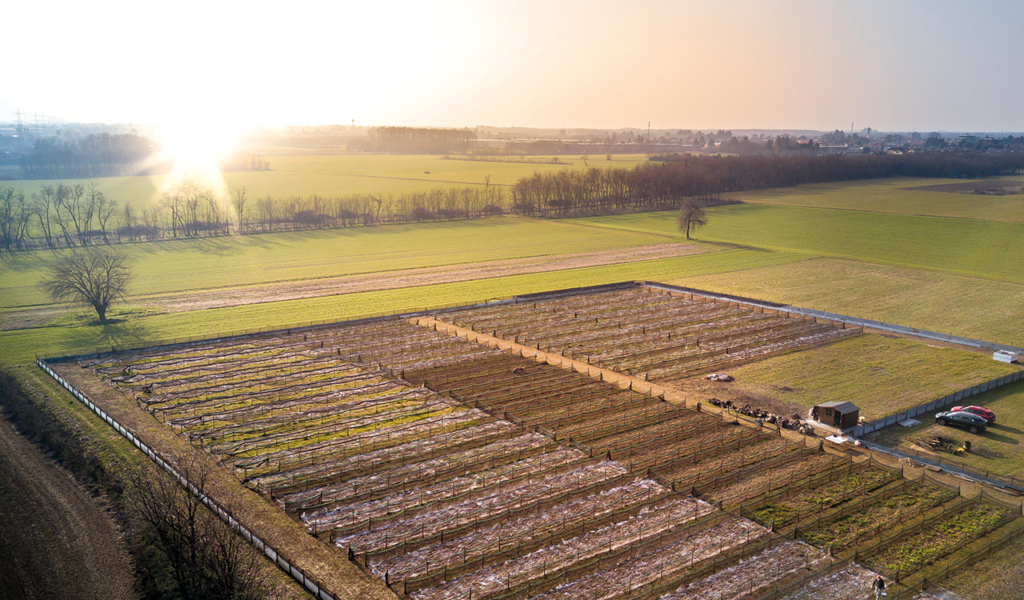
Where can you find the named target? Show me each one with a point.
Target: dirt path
(55, 539)
(331, 286)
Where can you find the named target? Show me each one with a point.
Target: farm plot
(640, 332)
(638, 431)
(872, 514)
(437, 462)
(935, 538)
(786, 560)
(794, 505)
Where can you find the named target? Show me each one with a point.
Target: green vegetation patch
(808, 502)
(846, 530)
(925, 547)
(881, 375)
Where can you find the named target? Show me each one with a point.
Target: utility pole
(19, 128)
(648, 136)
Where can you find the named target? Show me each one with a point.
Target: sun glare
(196, 149)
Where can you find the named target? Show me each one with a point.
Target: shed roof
(843, 407)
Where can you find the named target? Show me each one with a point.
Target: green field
(894, 196)
(347, 174)
(77, 335)
(959, 246)
(880, 375)
(177, 265)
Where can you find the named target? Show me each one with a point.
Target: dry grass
(879, 374)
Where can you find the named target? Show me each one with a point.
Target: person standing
(879, 587)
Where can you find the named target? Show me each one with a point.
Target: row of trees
(65, 215)
(75, 215)
(98, 155)
(664, 184)
(317, 212)
(415, 140)
(70, 215)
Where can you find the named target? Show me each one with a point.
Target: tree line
(76, 215)
(97, 155)
(415, 140)
(665, 181)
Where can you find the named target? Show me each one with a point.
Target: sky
(738, 64)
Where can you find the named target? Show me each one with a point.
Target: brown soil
(332, 286)
(58, 542)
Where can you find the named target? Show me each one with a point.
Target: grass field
(254, 259)
(78, 335)
(959, 246)
(880, 375)
(965, 306)
(894, 196)
(999, 450)
(346, 174)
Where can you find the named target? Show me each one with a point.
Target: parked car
(971, 422)
(981, 411)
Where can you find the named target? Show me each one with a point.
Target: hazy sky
(814, 64)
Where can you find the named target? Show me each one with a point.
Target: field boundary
(920, 409)
(868, 323)
(290, 569)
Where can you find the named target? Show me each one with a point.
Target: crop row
(663, 337)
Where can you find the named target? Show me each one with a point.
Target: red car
(981, 411)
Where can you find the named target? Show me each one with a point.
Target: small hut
(841, 415)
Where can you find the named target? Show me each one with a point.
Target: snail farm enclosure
(538, 447)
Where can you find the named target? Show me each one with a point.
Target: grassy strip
(20, 346)
(785, 512)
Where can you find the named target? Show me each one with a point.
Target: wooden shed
(841, 415)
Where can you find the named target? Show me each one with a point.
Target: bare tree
(43, 204)
(239, 203)
(14, 218)
(691, 216)
(97, 277)
(207, 559)
(266, 207)
(105, 208)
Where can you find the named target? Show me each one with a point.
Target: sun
(196, 147)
